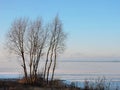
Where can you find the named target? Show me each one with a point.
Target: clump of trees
(32, 40)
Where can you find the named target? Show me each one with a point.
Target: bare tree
(56, 45)
(29, 40)
(16, 38)
(50, 44)
(33, 44)
(36, 41)
(59, 47)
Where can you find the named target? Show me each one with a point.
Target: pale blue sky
(93, 26)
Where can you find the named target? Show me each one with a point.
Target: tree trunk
(46, 62)
(24, 67)
(51, 56)
(54, 66)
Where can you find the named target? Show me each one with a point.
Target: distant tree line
(32, 40)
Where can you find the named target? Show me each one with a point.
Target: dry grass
(17, 85)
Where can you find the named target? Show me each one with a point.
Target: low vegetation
(97, 84)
